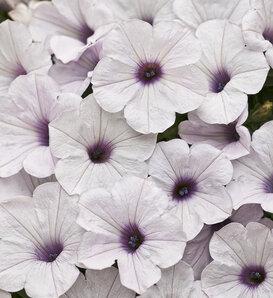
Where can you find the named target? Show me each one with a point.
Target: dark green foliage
(3, 16)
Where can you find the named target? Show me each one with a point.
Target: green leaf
(3, 15)
(21, 294)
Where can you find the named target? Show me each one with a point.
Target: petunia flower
(34, 101)
(197, 253)
(23, 11)
(149, 72)
(194, 180)
(4, 294)
(195, 12)
(152, 11)
(130, 225)
(19, 55)
(253, 174)
(7, 5)
(257, 28)
(75, 76)
(39, 242)
(20, 184)
(97, 148)
(242, 265)
(176, 282)
(232, 70)
(70, 25)
(233, 138)
(99, 284)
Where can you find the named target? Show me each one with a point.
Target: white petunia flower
(152, 11)
(20, 184)
(194, 179)
(233, 138)
(19, 55)
(70, 25)
(97, 148)
(242, 265)
(39, 242)
(34, 101)
(11, 4)
(130, 225)
(149, 72)
(232, 71)
(75, 76)
(176, 282)
(195, 12)
(258, 28)
(197, 253)
(99, 284)
(23, 11)
(4, 294)
(253, 174)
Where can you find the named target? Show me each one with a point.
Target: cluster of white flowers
(92, 203)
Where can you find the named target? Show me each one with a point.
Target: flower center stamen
(256, 278)
(131, 238)
(219, 81)
(183, 189)
(149, 72)
(49, 253)
(253, 276)
(100, 153)
(134, 242)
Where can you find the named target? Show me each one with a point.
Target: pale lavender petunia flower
(148, 71)
(4, 294)
(176, 282)
(197, 253)
(19, 55)
(233, 138)
(232, 70)
(130, 225)
(194, 179)
(242, 265)
(99, 284)
(34, 101)
(152, 11)
(253, 174)
(23, 11)
(11, 4)
(70, 25)
(75, 76)
(39, 242)
(20, 184)
(258, 28)
(195, 12)
(97, 148)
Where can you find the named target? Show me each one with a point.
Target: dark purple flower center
(231, 133)
(85, 33)
(219, 81)
(148, 19)
(49, 253)
(268, 185)
(43, 132)
(183, 189)
(252, 276)
(131, 238)
(148, 73)
(268, 35)
(21, 70)
(100, 152)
